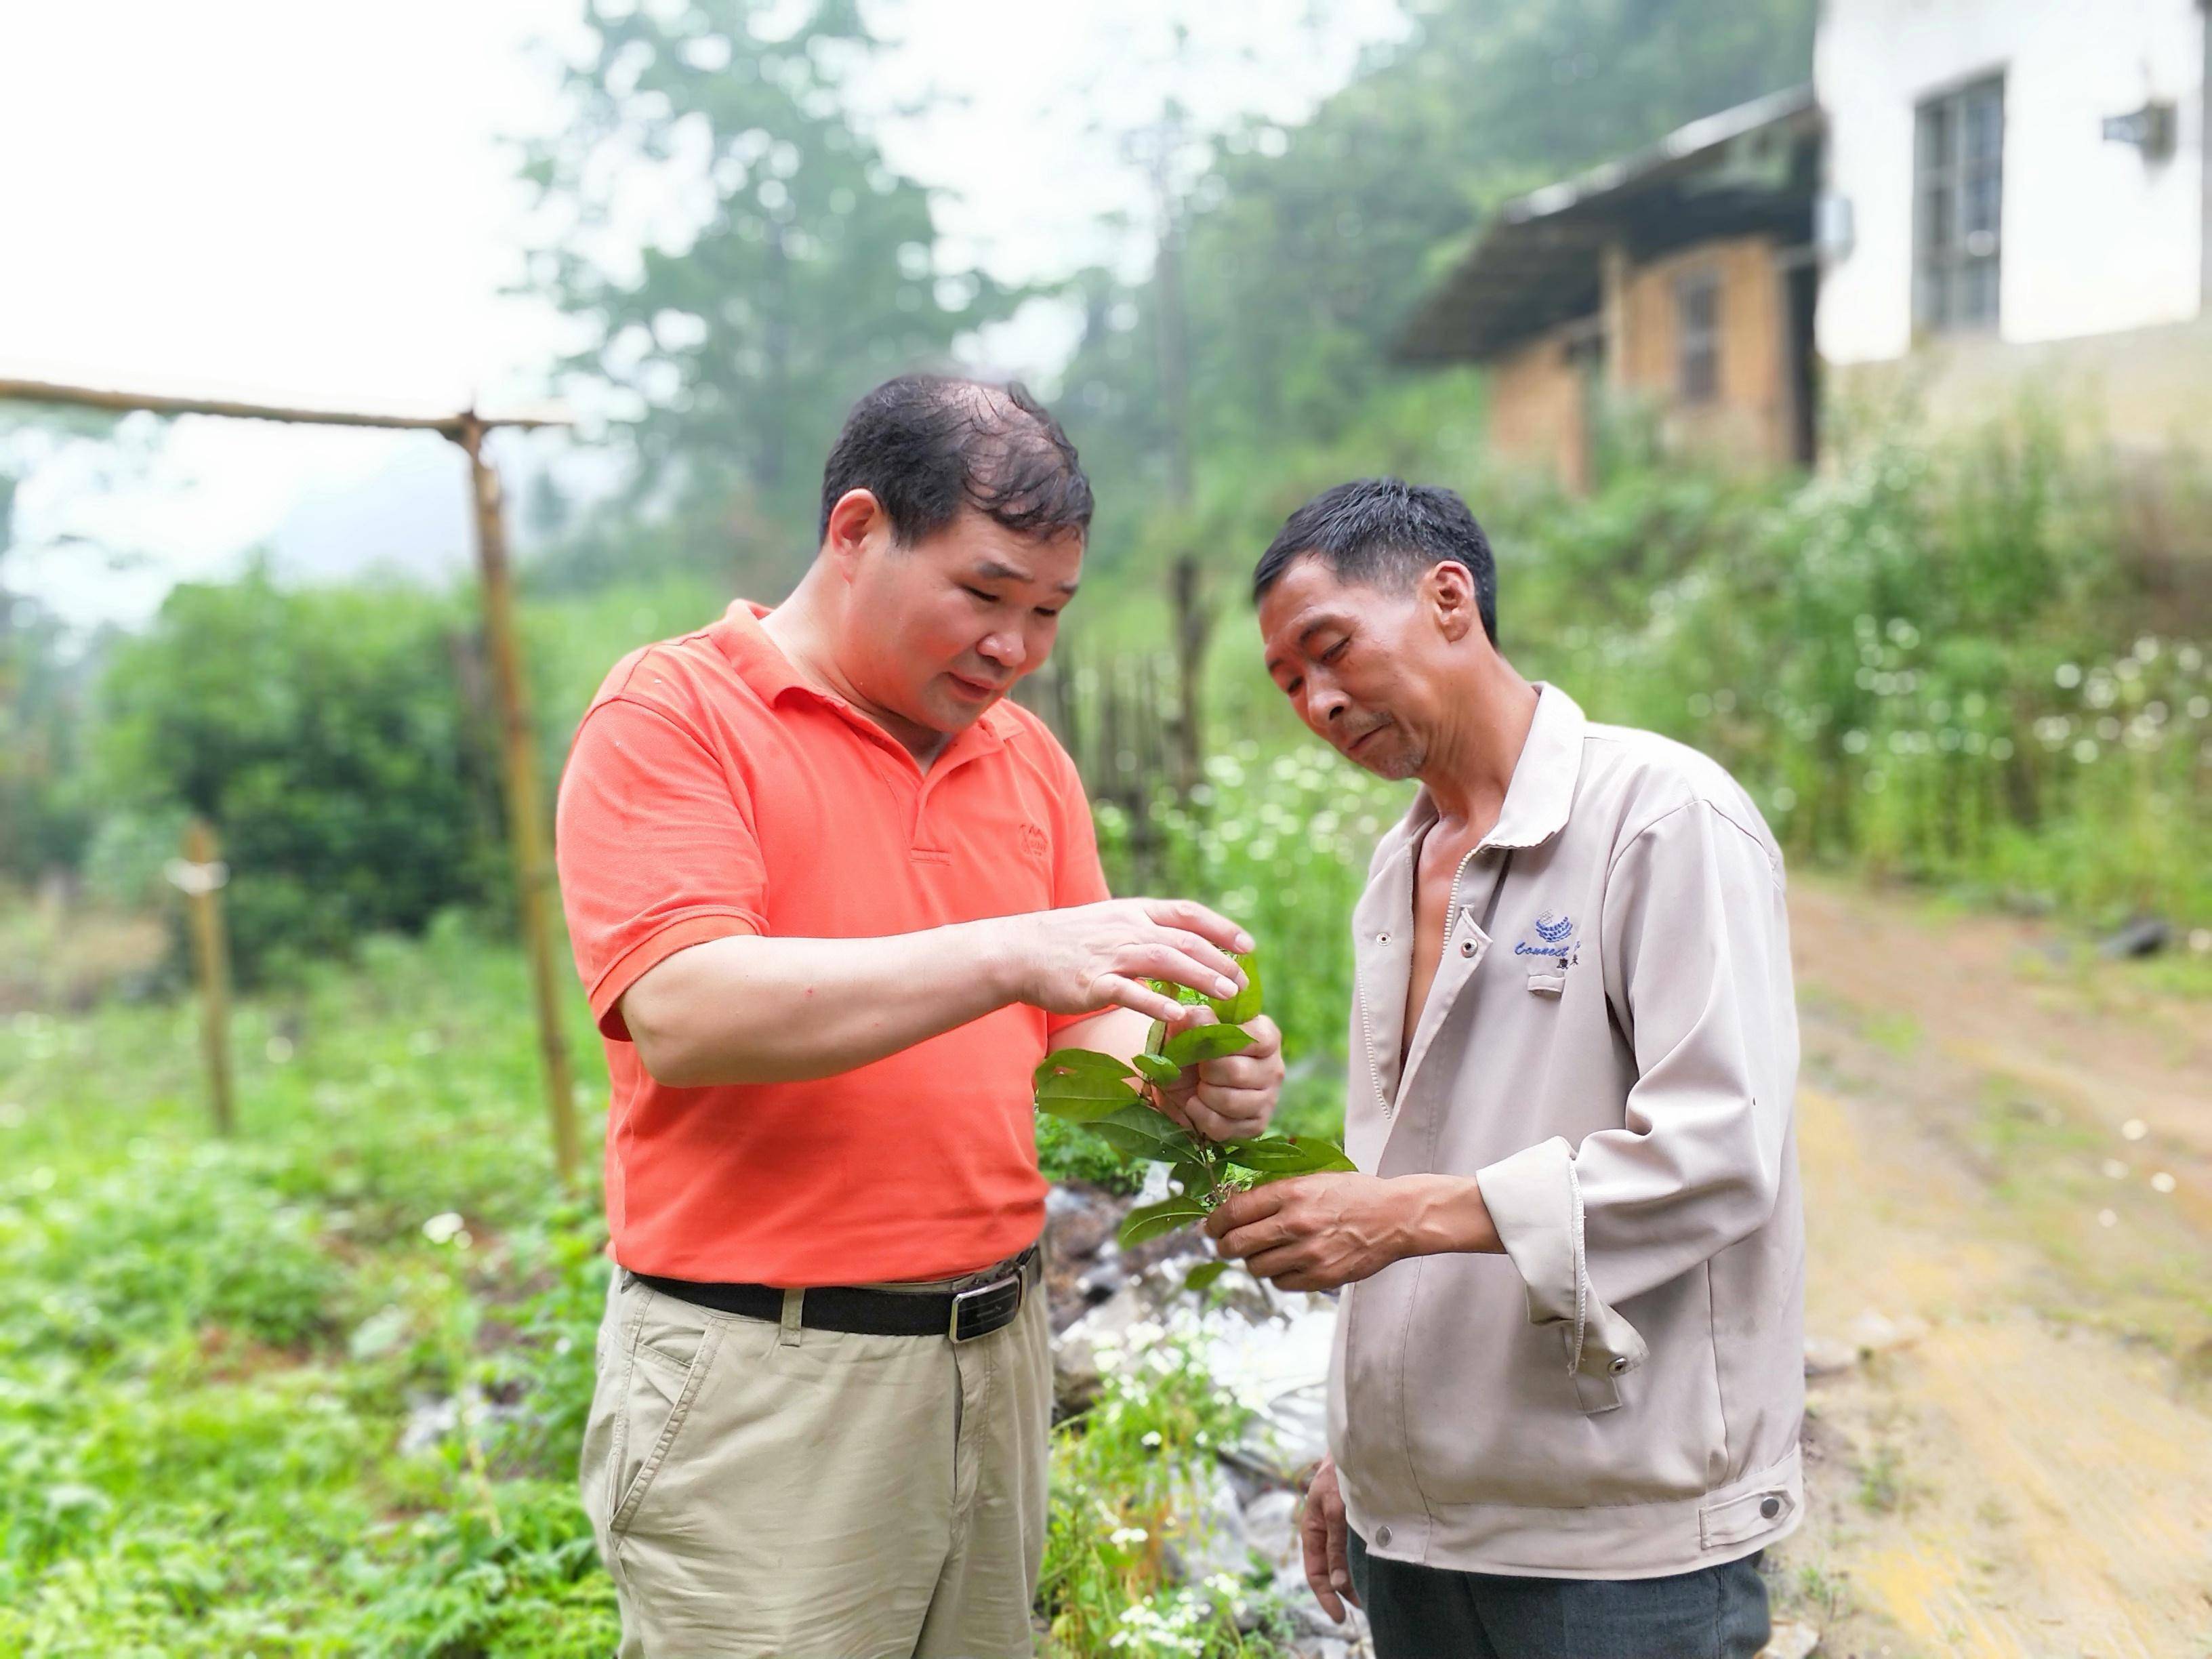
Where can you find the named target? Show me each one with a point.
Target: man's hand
(1090, 957)
(1323, 1530)
(1231, 1098)
(1315, 1232)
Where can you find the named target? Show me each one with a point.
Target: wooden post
(200, 876)
(526, 824)
(1194, 623)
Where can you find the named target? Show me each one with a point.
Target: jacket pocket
(667, 1360)
(1547, 985)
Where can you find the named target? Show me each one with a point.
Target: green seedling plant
(1119, 1102)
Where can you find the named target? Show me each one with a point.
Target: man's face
(944, 628)
(1355, 661)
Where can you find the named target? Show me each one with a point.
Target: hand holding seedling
(1317, 1233)
(1227, 1096)
(1146, 1110)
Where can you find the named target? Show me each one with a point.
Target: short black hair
(925, 445)
(1384, 531)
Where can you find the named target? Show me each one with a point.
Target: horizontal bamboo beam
(454, 426)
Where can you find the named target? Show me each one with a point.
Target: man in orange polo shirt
(833, 898)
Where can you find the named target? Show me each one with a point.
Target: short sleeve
(657, 850)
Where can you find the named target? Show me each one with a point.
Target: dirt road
(2008, 1177)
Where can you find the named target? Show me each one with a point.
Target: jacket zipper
(1366, 1029)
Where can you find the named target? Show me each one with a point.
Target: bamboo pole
(200, 876)
(533, 866)
(452, 426)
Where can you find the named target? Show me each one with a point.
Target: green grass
(212, 1349)
(1882, 1487)
(213, 1354)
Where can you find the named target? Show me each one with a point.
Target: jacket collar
(1543, 790)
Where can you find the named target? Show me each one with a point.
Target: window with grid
(1958, 176)
(1698, 336)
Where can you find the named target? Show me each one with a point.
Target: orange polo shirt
(711, 792)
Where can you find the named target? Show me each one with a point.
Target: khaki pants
(765, 1490)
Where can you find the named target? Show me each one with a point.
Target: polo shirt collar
(1542, 789)
(762, 663)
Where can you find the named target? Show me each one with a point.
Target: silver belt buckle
(971, 1308)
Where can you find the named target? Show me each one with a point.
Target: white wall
(2093, 240)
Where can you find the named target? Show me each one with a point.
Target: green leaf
(1154, 1038)
(1245, 1005)
(1138, 1131)
(1200, 1279)
(1149, 1221)
(1195, 1176)
(1078, 1062)
(1157, 1069)
(1195, 1043)
(1080, 1086)
(1185, 995)
(1277, 1158)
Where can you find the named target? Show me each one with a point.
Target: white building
(2015, 205)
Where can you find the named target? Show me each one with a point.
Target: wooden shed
(1680, 282)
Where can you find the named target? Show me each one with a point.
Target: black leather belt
(961, 1316)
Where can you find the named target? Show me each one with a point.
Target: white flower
(442, 1229)
(1124, 1537)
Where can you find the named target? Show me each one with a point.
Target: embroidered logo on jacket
(1555, 936)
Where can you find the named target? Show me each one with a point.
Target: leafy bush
(326, 735)
(1126, 1477)
(1931, 664)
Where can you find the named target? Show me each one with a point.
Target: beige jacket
(1610, 1049)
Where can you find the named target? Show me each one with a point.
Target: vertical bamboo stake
(526, 826)
(201, 878)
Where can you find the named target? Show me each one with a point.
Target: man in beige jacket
(1568, 1379)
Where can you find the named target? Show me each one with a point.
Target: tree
(792, 269)
(324, 734)
(44, 673)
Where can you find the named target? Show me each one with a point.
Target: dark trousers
(1430, 1613)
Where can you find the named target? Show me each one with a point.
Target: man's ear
(1447, 591)
(857, 519)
